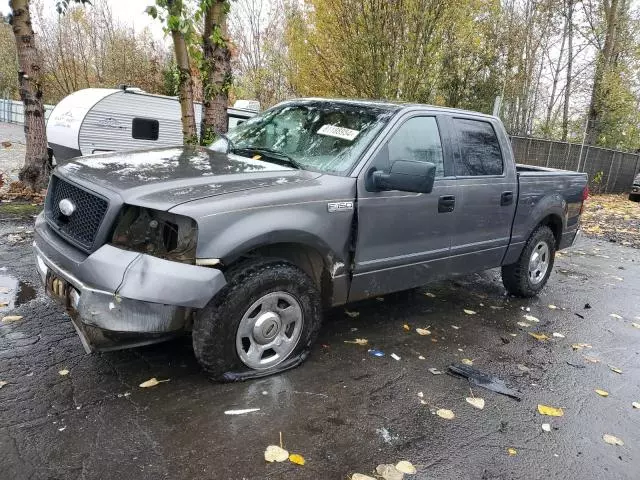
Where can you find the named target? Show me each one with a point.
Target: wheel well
(306, 258)
(554, 222)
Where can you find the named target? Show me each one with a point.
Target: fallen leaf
(446, 414)
(421, 357)
(635, 325)
(469, 312)
(552, 307)
(297, 459)
(274, 453)
(602, 393)
(615, 369)
(63, 372)
(406, 327)
(558, 335)
(455, 327)
(152, 382)
(524, 324)
(551, 411)
(476, 402)
(580, 346)
(406, 467)
(612, 440)
(3, 383)
(352, 314)
(429, 294)
(241, 411)
(380, 299)
(539, 336)
(359, 476)
(634, 404)
(4, 290)
(467, 361)
(546, 427)
(423, 331)
(3, 304)
(420, 395)
(394, 356)
(11, 318)
(389, 472)
(523, 368)
(358, 341)
(495, 307)
(512, 452)
(531, 318)
(591, 359)
(435, 371)
(615, 315)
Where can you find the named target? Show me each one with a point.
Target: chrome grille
(81, 227)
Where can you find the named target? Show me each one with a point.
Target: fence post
(620, 158)
(549, 154)
(606, 188)
(526, 155)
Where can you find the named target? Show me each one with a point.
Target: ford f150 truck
(312, 204)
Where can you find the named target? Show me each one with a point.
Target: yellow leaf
(405, 467)
(274, 453)
(11, 318)
(63, 372)
(580, 346)
(423, 331)
(352, 314)
(524, 324)
(602, 393)
(634, 404)
(297, 459)
(612, 440)
(512, 452)
(469, 312)
(616, 316)
(531, 318)
(446, 414)
(635, 325)
(3, 383)
(539, 336)
(476, 402)
(615, 369)
(152, 382)
(552, 307)
(429, 294)
(551, 411)
(467, 361)
(358, 341)
(591, 359)
(406, 327)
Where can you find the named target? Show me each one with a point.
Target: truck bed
(532, 170)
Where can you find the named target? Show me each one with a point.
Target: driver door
(404, 238)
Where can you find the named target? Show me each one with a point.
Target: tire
(266, 303)
(518, 278)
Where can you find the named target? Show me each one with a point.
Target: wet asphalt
(344, 410)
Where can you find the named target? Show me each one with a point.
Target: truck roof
(393, 106)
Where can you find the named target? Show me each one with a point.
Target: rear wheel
(530, 273)
(263, 322)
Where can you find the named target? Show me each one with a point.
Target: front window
(316, 135)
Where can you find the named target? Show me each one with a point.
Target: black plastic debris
(587, 306)
(578, 315)
(484, 380)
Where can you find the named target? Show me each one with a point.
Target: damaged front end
(141, 287)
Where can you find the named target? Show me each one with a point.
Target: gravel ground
(11, 158)
(614, 218)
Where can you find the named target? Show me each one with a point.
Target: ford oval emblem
(67, 207)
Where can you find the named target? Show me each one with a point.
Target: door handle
(446, 203)
(506, 198)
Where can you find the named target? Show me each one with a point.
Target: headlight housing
(154, 232)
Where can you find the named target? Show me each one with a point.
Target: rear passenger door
(487, 194)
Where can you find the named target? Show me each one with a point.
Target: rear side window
(479, 149)
(418, 139)
(145, 129)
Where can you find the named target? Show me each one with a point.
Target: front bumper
(118, 298)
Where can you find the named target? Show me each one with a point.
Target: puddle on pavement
(14, 293)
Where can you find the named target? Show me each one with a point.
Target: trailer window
(145, 129)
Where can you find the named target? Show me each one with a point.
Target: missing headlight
(157, 233)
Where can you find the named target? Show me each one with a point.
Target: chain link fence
(12, 111)
(610, 171)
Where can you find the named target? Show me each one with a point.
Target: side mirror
(406, 176)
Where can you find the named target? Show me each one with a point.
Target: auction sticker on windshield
(338, 132)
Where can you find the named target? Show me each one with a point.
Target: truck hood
(164, 178)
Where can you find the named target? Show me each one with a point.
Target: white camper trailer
(96, 120)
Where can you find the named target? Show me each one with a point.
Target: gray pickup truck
(312, 204)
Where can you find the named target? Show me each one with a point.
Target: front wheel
(263, 322)
(530, 273)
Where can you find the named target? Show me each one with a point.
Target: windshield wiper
(276, 156)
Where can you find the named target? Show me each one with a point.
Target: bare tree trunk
(185, 82)
(35, 172)
(556, 76)
(603, 63)
(216, 71)
(567, 88)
